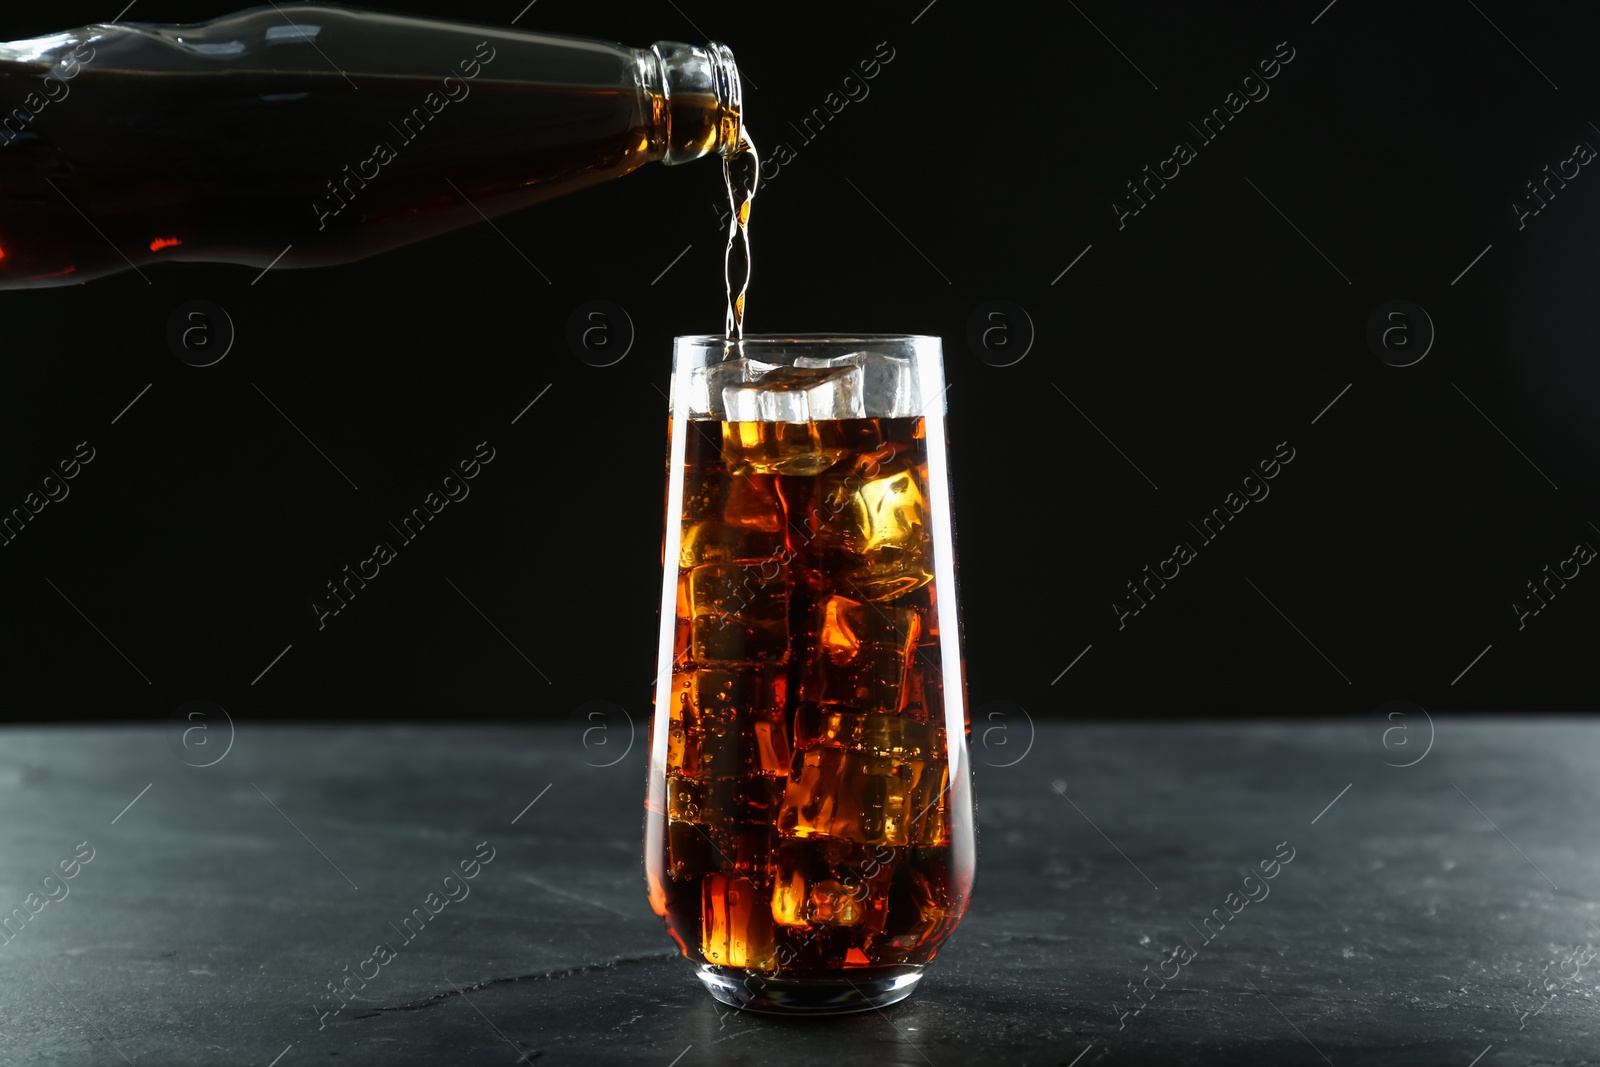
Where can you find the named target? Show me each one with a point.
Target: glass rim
(723, 341)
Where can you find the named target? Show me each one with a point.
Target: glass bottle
(302, 135)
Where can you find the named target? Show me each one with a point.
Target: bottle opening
(730, 94)
(701, 98)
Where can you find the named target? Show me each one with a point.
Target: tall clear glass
(808, 820)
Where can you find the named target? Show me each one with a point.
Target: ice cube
(736, 924)
(704, 491)
(738, 721)
(863, 654)
(714, 541)
(787, 421)
(844, 626)
(924, 669)
(721, 824)
(691, 852)
(895, 736)
(832, 904)
(918, 907)
(852, 795)
(728, 721)
(930, 822)
(892, 572)
(753, 503)
(803, 448)
(790, 894)
(731, 697)
(886, 382)
(746, 525)
(882, 522)
(827, 882)
(706, 384)
(809, 722)
(732, 800)
(891, 511)
(873, 679)
(681, 756)
(681, 623)
(739, 613)
(865, 777)
(796, 394)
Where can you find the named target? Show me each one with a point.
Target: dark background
(1196, 338)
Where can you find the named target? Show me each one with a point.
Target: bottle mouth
(730, 97)
(702, 99)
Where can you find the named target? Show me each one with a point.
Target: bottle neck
(696, 99)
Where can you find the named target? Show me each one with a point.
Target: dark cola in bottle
(302, 135)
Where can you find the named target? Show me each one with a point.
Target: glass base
(836, 994)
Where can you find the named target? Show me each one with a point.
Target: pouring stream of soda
(740, 172)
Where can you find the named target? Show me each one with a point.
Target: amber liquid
(741, 173)
(134, 167)
(809, 823)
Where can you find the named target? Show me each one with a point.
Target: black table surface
(1430, 914)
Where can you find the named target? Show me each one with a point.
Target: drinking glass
(808, 819)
